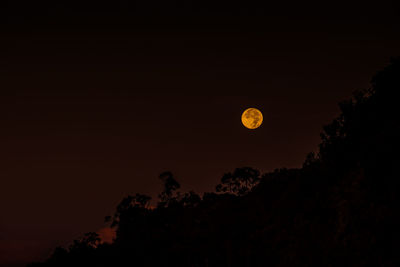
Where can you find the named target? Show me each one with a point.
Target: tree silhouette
(190, 199)
(90, 240)
(170, 186)
(137, 203)
(240, 182)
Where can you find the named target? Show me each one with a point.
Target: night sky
(97, 100)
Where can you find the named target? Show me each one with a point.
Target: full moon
(252, 118)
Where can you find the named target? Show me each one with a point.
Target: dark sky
(97, 100)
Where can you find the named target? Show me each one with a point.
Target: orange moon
(252, 118)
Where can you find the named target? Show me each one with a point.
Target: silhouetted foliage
(339, 209)
(170, 186)
(137, 203)
(240, 182)
(190, 199)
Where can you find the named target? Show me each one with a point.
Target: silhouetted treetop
(368, 124)
(240, 182)
(137, 203)
(170, 186)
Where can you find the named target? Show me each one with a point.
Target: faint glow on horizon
(107, 235)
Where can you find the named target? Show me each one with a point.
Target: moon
(252, 118)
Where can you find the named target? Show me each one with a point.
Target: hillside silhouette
(339, 209)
